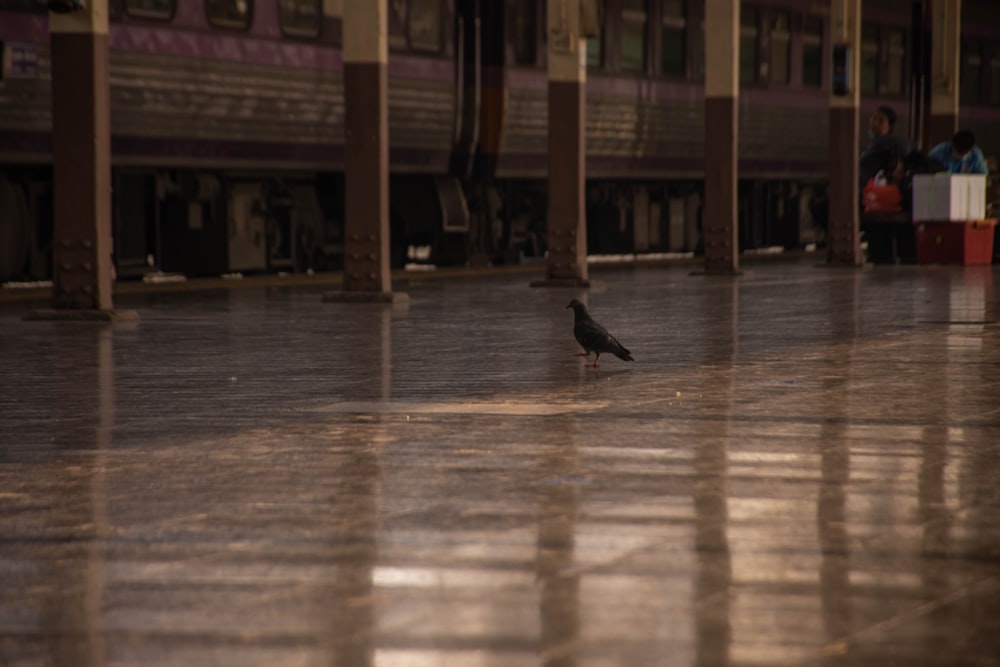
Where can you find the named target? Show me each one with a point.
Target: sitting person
(960, 155)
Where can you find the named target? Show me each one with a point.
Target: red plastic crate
(968, 242)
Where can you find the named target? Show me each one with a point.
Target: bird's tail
(623, 354)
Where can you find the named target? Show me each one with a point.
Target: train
(227, 121)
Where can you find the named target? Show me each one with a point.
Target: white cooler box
(939, 197)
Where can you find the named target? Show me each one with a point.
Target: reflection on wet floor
(802, 467)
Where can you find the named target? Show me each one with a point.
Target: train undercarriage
(207, 223)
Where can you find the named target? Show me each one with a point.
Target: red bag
(881, 198)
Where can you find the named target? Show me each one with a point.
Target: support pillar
(719, 222)
(567, 214)
(366, 155)
(946, 40)
(81, 158)
(843, 231)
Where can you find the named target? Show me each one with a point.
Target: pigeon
(592, 337)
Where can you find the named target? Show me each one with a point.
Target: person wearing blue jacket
(960, 155)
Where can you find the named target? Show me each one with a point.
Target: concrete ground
(801, 467)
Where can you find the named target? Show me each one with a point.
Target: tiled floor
(802, 467)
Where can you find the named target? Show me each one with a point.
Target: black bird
(592, 337)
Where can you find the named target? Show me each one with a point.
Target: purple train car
(228, 119)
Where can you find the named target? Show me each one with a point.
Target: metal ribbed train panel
(617, 128)
(526, 127)
(779, 132)
(162, 96)
(642, 128)
(169, 97)
(421, 114)
(629, 137)
(26, 103)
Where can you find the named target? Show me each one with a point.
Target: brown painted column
(946, 25)
(366, 154)
(843, 232)
(81, 157)
(722, 80)
(567, 213)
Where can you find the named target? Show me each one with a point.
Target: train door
(920, 69)
(480, 59)
(468, 85)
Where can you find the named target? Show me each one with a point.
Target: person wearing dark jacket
(886, 151)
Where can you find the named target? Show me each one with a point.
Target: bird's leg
(597, 360)
(585, 353)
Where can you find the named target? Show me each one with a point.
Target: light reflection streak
(559, 602)
(714, 574)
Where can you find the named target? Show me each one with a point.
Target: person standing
(885, 152)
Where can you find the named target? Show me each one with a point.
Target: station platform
(801, 467)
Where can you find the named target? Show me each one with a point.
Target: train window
(424, 26)
(895, 45)
(883, 60)
(595, 46)
(780, 34)
(698, 48)
(869, 58)
(995, 77)
(397, 24)
(748, 45)
(673, 48)
(633, 35)
(28, 6)
(230, 13)
(150, 9)
(971, 72)
(300, 18)
(415, 24)
(525, 25)
(812, 52)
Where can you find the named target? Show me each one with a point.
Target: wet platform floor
(802, 467)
